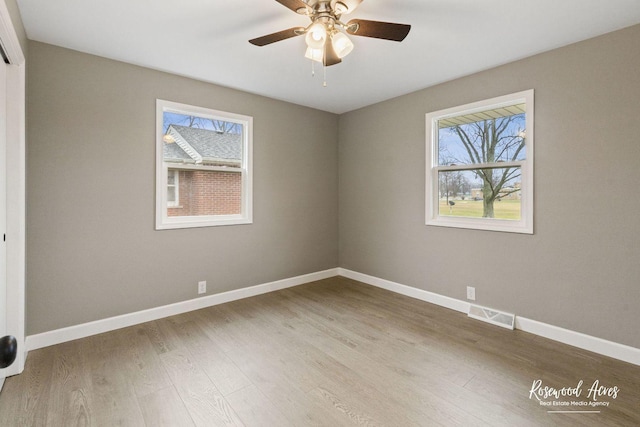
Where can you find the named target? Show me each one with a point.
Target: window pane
(171, 194)
(200, 140)
(481, 193)
(205, 192)
(493, 135)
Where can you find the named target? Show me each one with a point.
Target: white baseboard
(576, 339)
(433, 298)
(587, 342)
(70, 333)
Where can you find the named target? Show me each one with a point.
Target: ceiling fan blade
(377, 29)
(330, 57)
(294, 5)
(276, 37)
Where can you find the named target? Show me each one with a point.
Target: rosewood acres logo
(574, 399)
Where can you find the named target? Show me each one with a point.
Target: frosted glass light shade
(345, 6)
(316, 36)
(314, 54)
(341, 44)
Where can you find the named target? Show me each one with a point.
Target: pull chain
(324, 77)
(324, 72)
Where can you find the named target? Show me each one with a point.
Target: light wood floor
(329, 353)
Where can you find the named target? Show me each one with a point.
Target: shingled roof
(203, 146)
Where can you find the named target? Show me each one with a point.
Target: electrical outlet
(471, 293)
(202, 287)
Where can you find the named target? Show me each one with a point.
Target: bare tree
(220, 126)
(453, 184)
(225, 127)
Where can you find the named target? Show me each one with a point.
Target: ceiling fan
(325, 42)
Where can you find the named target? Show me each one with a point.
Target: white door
(12, 200)
(3, 210)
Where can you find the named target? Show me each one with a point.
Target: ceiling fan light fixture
(326, 35)
(316, 36)
(341, 44)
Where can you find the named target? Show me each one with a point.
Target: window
(173, 186)
(203, 167)
(480, 161)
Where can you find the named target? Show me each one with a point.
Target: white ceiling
(207, 40)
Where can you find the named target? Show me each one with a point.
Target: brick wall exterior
(208, 193)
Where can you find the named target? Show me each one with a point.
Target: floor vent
(500, 318)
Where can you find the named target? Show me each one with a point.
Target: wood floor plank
(160, 335)
(165, 408)
(284, 391)
(224, 374)
(112, 394)
(205, 403)
(139, 359)
(23, 400)
(256, 409)
(70, 401)
(357, 415)
(225, 327)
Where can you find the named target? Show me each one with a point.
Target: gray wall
(92, 251)
(581, 268)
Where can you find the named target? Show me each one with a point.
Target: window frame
(163, 220)
(432, 217)
(176, 188)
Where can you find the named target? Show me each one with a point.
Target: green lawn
(505, 209)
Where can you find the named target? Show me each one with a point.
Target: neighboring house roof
(203, 146)
(173, 153)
